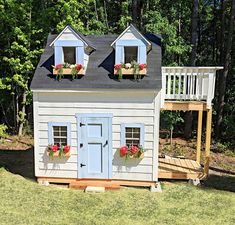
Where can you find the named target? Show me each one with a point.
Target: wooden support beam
(199, 136)
(208, 141)
(176, 105)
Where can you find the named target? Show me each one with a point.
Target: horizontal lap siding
(131, 108)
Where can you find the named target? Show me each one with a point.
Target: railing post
(208, 141)
(210, 90)
(163, 91)
(199, 136)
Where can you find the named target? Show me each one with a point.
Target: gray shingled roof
(99, 73)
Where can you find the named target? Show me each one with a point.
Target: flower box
(130, 71)
(58, 151)
(57, 154)
(131, 152)
(140, 157)
(68, 71)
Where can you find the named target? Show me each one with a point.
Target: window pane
(64, 128)
(130, 54)
(56, 128)
(56, 141)
(64, 134)
(129, 135)
(137, 142)
(136, 135)
(56, 133)
(136, 130)
(69, 55)
(128, 129)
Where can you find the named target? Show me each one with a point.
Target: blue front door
(94, 146)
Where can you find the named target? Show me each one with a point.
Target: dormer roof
(75, 35)
(131, 32)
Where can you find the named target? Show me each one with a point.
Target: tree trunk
(17, 112)
(194, 37)
(223, 78)
(135, 12)
(194, 33)
(22, 118)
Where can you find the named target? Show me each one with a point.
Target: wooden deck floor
(179, 169)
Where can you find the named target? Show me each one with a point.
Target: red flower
(134, 149)
(117, 66)
(78, 67)
(58, 66)
(123, 150)
(66, 148)
(141, 66)
(54, 148)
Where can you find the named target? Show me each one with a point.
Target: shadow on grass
(19, 162)
(225, 182)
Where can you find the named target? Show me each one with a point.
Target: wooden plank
(208, 141)
(185, 106)
(180, 176)
(199, 136)
(189, 166)
(96, 182)
(182, 164)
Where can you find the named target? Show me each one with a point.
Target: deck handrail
(189, 83)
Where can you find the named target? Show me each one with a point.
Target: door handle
(105, 143)
(81, 165)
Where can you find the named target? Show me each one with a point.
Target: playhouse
(97, 102)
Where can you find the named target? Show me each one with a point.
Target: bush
(3, 129)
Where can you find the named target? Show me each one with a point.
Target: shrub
(3, 129)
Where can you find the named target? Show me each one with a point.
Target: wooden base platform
(174, 168)
(108, 184)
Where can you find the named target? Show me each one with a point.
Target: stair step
(94, 189)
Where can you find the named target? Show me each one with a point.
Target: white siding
(67, 35)
(126, 108)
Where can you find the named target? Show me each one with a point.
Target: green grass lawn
(25, 202)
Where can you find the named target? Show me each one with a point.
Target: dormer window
(130, 54)
(69, 55)
(131, 49)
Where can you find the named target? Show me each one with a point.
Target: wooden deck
(174, 168)
(83, 183)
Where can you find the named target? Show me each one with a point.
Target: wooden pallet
(174, 168)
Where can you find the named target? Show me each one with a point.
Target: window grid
(132, 136)
(60, 135)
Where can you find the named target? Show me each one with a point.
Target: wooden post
(208, 141)
(199, 136)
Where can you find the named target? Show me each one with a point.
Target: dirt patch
(16, 143)
(17, 156)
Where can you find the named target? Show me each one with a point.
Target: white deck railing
(189, 83)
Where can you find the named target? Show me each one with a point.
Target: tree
(192, 62)
(223, 77)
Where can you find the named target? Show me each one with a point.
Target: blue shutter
(119, 54)
(59, 56)
(80, 55)
(142, 54)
